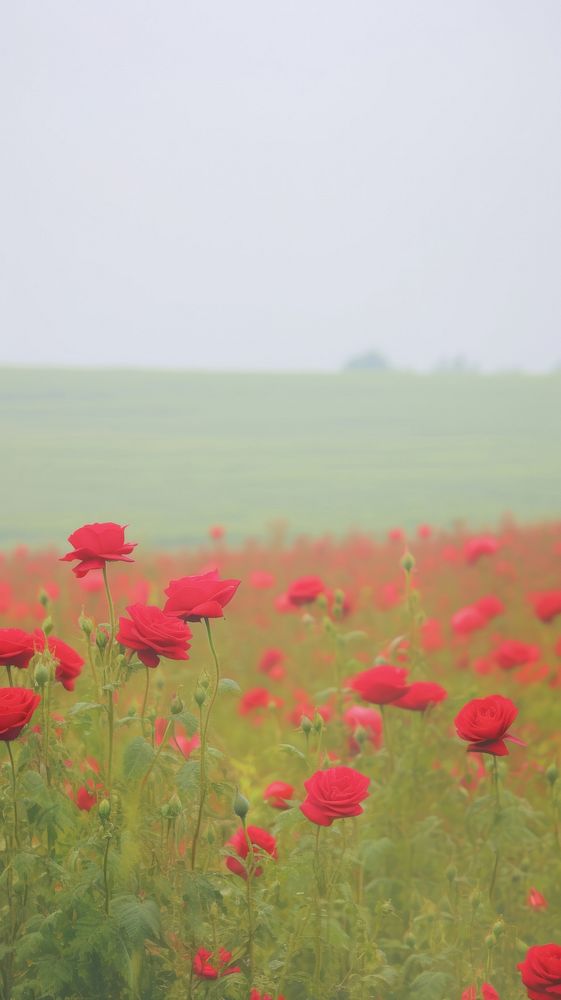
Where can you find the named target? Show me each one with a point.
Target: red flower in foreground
(262, 843)
(334, 794)
(16, 647)
(203, 595)
(421, 695)
(484, 724)
(547, 604)
(277, 794)
(69, 663)
(305, 590)
(153, 634)
(208, 966)
(17, 705)
(541, 971)
(380, 685)
(97, 544)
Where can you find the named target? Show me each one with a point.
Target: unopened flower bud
(200, 696)
(101, 639)
(42, 674)
(407, 562)
(318, 723)
(321, 601)
(47, 625)
(176, 706)
(43, 597)
(104, 810)
(241, 806)
(498, 929)
(86, 624)
(174, 806)
(552, 774)
(306, 725)
(329, 627)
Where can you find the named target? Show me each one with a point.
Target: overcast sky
(249, 184)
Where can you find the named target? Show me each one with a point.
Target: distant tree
(370, 361)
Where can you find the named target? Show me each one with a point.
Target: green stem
(47, 700)
(111, 612)
(387, 740)
(158, 752)
(204, 731)
(111, 722)
(318, 946)
(10, 678)
(496, 784)
(91, 661)
(250, 914)
(145, 701)
(105, 879)
(14, 794)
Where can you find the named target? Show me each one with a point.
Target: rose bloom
(536, 900)
(203, 595)
(367, 719)
(256, 995)
(271, 663)
(487, 993)
(16, 647)
(334, 793)
(468, 620)
(263, 843)
(258, 698)
(277, 794)
(208, 966)
(380, 685)
(97, 544)
(511, 653)
(547, 604)
(17, 705)
(69, 663)
(421, 695)
(541, 971)
(305, 590)
(153, 634)
(484, 724)
(490, 606)
(475, 548)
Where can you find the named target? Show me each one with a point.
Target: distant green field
(172, 453)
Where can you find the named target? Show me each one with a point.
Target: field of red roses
(323, 770)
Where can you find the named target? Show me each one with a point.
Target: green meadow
(171, 453)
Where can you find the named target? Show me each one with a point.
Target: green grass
(172, 452)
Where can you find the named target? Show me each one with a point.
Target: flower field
(323, 770)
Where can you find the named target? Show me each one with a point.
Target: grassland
(172, 452)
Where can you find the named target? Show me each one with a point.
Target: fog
(255, 185)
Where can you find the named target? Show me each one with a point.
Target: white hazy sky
(248, 184)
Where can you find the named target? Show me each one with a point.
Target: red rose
(258, 698)
(490, 606)
(468, 620)
(262, 843)
(547, 604)
(17, 705)
(305, 590)
(16, 647)
(484, 724)
(193, 598)
(68, 662)
(541, 971)
(334, 794)
(421, 695)
(256, 995)
(536, 900)
(208, 966)
(381, 685)
(359, 717)
(97, 544)
(475, 548)
(277, 793)
(511, 653)
(487, 993)
(153, 634)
